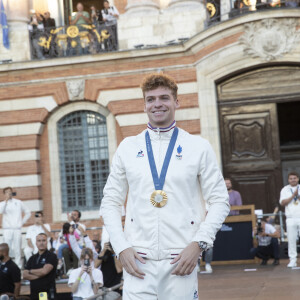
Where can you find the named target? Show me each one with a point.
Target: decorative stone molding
(142, 7)
(185, 5)
(269, 39)
(76, 89)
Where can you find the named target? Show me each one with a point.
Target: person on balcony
(292, 3)
(36, 30)
(80, 17)
(110, 14)
(49, 23)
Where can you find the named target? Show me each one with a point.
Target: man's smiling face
(160, 106)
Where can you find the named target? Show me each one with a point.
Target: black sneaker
(264, 262)
(276, 262)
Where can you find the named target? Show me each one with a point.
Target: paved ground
(233, 282)
(266, 283)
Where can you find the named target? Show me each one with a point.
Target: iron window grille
(83, 157)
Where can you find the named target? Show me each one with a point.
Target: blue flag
(3, 23)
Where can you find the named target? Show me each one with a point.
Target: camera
(37, 215)
(75, 226)
(86, 262)
(14, 194)
(259, 226)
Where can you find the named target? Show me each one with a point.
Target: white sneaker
(292, 263)
(208, 268)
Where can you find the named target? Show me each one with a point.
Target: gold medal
(159, 198)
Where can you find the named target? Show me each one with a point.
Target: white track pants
(28, 252)
(13, 238)
(293, 229)
(159, 283)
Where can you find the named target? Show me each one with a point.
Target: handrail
(105, 291)
(65, 41)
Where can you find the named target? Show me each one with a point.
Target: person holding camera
(74, 220)
(96, 16)
(111, 267)
(12, 222)
(267, 237)
(32, 233)
(81, 16)
(110, 13)
(40, 270)
(85, 280)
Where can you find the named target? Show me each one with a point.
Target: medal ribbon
(159, 182)
(296, 197)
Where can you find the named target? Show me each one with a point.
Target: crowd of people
(49, 256)
(41, 24)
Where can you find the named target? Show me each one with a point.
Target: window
(83, 159)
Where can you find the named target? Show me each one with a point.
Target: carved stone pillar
(18, 17)
(142, 7)
(225, 9)
(185, 5)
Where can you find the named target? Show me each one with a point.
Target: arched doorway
(256, 112)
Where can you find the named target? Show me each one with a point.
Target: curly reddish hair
(155, 80)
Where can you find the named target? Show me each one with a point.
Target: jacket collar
(161, 133)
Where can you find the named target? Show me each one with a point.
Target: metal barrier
(219, 11)
(72, 40)
(105, 291)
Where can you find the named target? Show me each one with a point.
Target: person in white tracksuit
(165, 228)
(12, 222)
(290, 198)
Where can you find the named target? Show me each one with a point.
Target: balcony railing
(72, 40)
(221, 10)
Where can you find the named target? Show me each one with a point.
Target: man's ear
(177, 103)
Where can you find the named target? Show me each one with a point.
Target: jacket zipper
(158, 217)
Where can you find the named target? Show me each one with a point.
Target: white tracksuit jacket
(161, 233)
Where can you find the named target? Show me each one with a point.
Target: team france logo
(140, 154)
(179, 150)
(195, 295)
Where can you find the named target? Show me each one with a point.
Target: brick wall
(122, 73)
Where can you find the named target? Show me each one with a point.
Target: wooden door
(251, 152)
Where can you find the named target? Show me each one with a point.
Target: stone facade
(35, 94)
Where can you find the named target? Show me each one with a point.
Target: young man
(32, 233)
(12, 222)
(10, 274)
(234, 197)
(289, 197)
(168, 175)
(40, 270)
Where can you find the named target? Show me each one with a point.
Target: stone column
(225, 9)
(185, 5)
(18, 17)
(142, 7)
